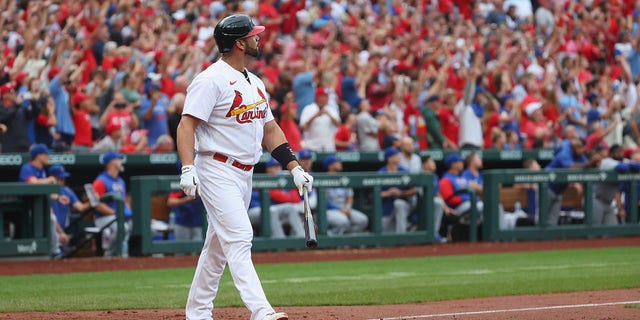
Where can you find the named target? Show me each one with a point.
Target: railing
(143, 188)
(493, 179)
(117, 198)
(30, 205)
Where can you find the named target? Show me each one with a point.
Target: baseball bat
(309, 226)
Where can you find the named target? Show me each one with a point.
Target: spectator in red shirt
(538, 130)
(346, 138)
(270, 70)
(287, 122)
(379, 93)
(288, 12)
(598, 133)
(120, 112)
(269, 17)
(449, 122)
(533, 96)
(551, 112)
(492, 121)
(82, 106)
(137, 143)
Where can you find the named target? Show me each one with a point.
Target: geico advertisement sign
(11, 160)
(62, 159)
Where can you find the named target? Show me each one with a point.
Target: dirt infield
(593, 305)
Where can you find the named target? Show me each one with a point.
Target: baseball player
(227, 119)
(110, 181)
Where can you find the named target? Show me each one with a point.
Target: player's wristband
(284, 154)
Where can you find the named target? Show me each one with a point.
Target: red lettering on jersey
(246, 113)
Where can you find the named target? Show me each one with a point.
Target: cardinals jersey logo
(246, 113)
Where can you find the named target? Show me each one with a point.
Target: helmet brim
(256, 30)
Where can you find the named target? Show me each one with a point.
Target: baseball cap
(256, 30)
(78, 97)
(58, 171)
(532, 107)
(272, 163)
(110, 156)
(52, 73)
(7, 87)
(505, 97)
(305, 154)
(154, 76)
(451, 159)
(356, 102)
(111, 127)
(390, 152)
(39, 149)
(389, 141)
(321, 91)
(433, 98)
(152, 86)
(329, 160)
(20, 76)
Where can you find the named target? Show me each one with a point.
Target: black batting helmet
(232, 28)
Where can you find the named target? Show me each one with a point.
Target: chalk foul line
(587, 305)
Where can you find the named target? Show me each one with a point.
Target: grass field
(338, 283)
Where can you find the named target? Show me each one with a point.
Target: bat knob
(312, 244)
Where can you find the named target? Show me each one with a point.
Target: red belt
(222, 158)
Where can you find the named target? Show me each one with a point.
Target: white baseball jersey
(233, 112)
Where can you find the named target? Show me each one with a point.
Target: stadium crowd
(341, 75)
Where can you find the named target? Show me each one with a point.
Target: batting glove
(189, 180)
(301, 179)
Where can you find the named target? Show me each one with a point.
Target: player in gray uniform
(605, 193)
(226, 120)
(341, 217)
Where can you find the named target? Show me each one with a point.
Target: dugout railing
(494, 180)
(25, 224)
(143, 188)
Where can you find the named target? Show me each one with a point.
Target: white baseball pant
(340, 223)
(110, 234)
(397, 221)
(225, 192)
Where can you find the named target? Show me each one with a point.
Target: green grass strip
(338, 283)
